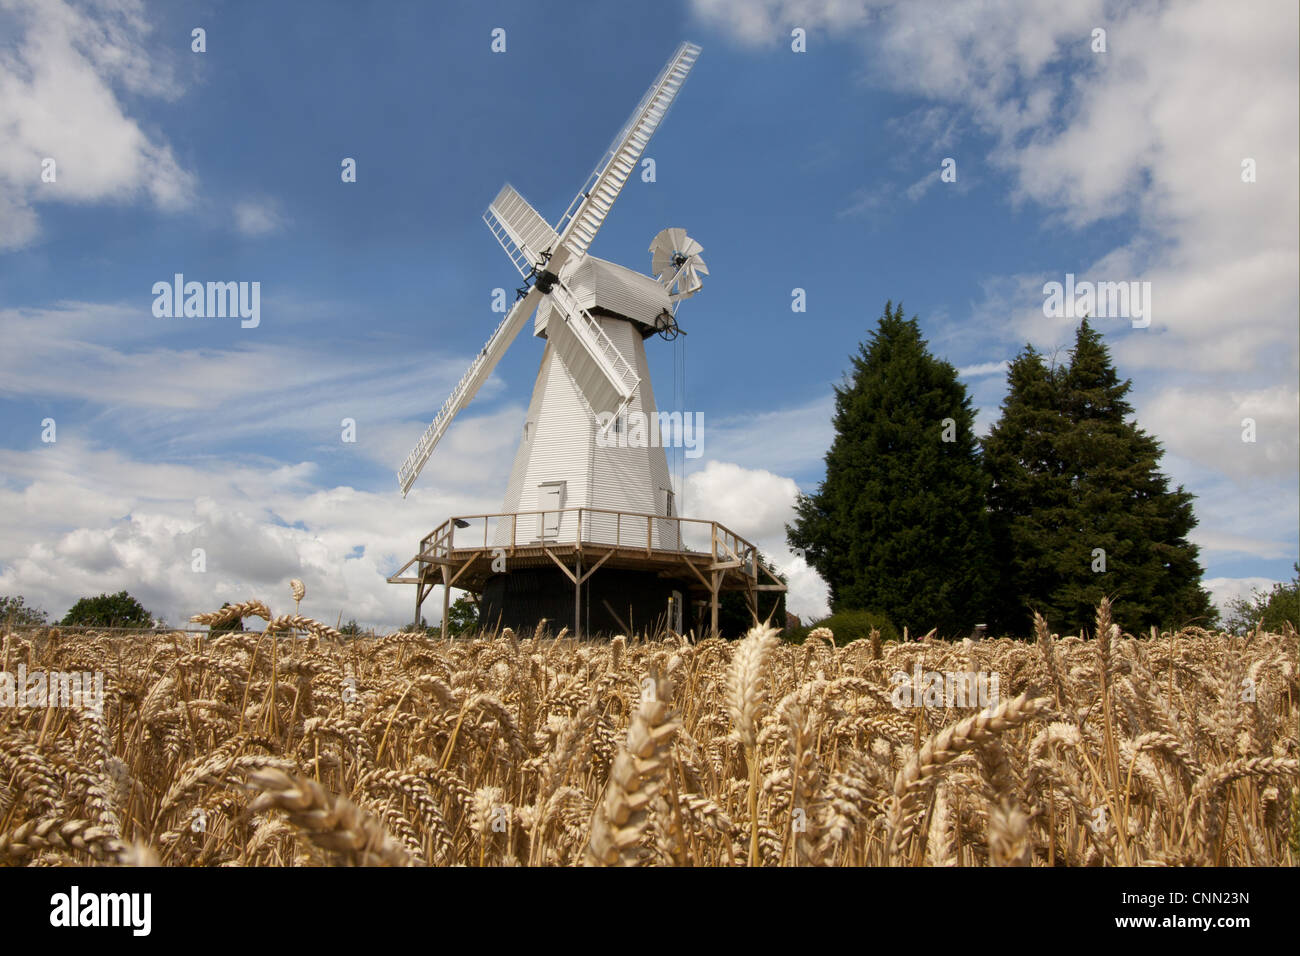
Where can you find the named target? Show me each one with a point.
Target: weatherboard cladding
(557, 448)
(560, 445)
(630, 479)
(586, 373)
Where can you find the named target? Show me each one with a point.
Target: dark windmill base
(613, 601)
(589, 585)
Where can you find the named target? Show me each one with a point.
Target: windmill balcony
(599, 553)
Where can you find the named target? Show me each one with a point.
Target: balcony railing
(626, 530)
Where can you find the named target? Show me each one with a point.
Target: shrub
(855, 625)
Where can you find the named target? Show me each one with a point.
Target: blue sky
(816, 170)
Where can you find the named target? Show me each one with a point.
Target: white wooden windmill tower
(589, 510)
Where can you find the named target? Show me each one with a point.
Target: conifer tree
(899, 525)
(1079, 507)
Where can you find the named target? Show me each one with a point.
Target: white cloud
(199, 397)
(58, 75)
(757, 504)
(1223, 591)
(1207, 428)
(984, 368)
(767, 22)
(1157, 126)
(76, 519)
(169, 459)
(1228, 543)
(925, 130)
(258, 217)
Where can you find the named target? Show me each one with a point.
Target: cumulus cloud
(165, 465)
(1223, 591)
(1208, 428)
(757, 505)
(258, 217)
(77, 519)
(60, 73)
(1158, 126)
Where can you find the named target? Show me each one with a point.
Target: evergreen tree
(1079, 507)
(1028, 495)
(898, 525)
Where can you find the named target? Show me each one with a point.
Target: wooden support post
(713, 603)
(594, 568)
(446, 598)
(465, 567)
(577, 599)
(421, 589)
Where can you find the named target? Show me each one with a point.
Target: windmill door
(550, 497)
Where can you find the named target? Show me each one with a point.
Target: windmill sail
(603, 374)
(465, 390)
(522, 232)
(579, 225)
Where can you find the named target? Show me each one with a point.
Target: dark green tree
(1029, 492)
(109, 610)
(14, 613)
(734, 618)
(462, 617)
(351, 629)
(898, 526)
(1079, 507)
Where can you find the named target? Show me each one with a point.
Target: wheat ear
(634, 780)
(912, 779)
(331, 821)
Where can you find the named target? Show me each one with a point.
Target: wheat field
(291, 746)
